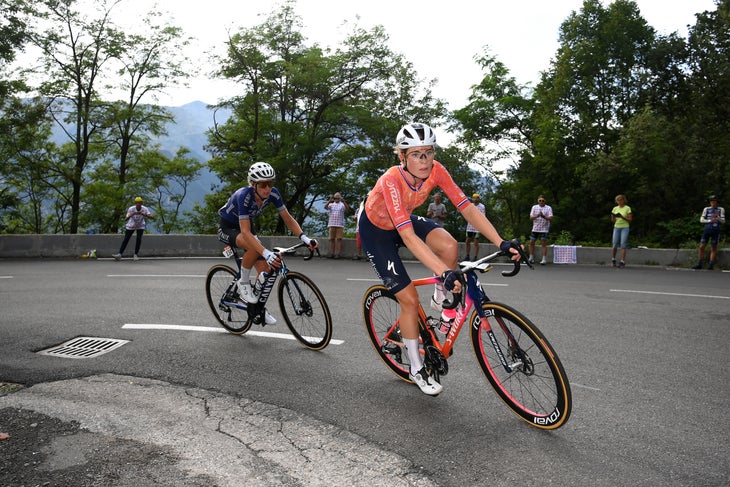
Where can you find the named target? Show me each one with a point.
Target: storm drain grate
(84, 347)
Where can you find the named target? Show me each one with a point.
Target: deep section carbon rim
(380, 311)
(305, 311)
(217, 282)
(533, 383)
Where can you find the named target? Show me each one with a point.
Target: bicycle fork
(301, 304)
(518, 358)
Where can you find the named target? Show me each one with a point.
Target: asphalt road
(645, 349)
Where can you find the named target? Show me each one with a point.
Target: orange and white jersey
(392, 200)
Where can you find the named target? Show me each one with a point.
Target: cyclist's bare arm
(485, 227)
(294, 226)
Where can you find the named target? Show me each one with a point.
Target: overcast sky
(441, 38)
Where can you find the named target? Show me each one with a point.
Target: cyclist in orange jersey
(388, 223)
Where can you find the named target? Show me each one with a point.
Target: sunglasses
(416, 156)
(266, 184)
(541, 201)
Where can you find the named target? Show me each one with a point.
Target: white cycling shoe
(426, 383)
(268, 318)
(246, 292)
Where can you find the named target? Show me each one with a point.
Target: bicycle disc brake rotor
(520, 356)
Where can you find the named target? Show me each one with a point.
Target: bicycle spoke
(305, 311)
(381, 312)
(223, 300)
(521, 366)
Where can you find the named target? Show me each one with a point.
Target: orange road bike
(515, 357)
(301, 302)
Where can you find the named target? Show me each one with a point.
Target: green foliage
(564, 238)
(620, 110)
(325, 120)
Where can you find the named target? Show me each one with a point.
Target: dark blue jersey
(242, 204)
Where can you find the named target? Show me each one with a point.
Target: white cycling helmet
(261, 171)
(415, 135)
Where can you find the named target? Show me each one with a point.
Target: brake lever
(311, 254)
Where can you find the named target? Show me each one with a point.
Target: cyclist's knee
(408, 298)
(442, 243)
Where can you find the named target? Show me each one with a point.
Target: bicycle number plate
(227, 251)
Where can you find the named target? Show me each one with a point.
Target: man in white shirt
(541, 215)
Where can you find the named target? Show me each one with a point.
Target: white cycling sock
(414, 355)
(246, 275)
(439, 293)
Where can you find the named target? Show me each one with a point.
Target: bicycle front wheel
(381, 312)
(223, 299)
(305, 311)
(521, 366)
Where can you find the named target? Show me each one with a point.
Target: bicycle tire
(380, 311)
(217, 282)
(305, 311)
(536, 388)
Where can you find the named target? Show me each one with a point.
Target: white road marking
(154, 275)
(214, 329)
(669, 294)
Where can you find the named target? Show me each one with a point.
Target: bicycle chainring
(435, 361)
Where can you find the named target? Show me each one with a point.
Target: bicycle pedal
(392, 349)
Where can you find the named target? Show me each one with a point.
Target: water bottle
(259, 283)
(447, 319)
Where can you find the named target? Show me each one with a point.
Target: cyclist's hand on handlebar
(512, 248)
(271, 258)
(451, 281)
(309, 242)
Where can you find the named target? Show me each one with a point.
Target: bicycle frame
(258, 307)
(472, 299)
(515, 357)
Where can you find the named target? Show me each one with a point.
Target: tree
(147, 65)
(85, 60)
(597, 82)
(318, 117)
(709, 118)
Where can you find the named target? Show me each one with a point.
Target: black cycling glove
(449, 277)
(505, 246)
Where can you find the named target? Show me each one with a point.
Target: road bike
(516, 358)
(302, 304)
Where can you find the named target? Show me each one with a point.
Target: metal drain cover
(84, 347)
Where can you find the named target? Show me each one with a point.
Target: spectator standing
(437, 210)
(356, 217)
(541, 215)
(621, 217)
(472, 233)
(336, 207)
(712, 216)
(135, 219)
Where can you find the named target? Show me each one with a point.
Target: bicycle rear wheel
(531, 381)
(380, 312)
(223, 297)
(305, 311)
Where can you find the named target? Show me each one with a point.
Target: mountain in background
(189, 129)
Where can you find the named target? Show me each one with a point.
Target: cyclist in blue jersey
(236, 226)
